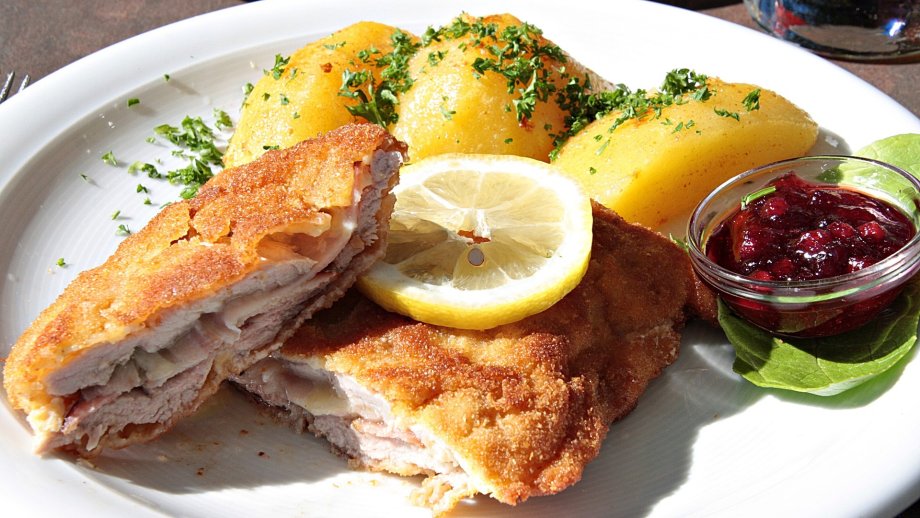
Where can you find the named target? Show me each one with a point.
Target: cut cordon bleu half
(511, 412)
(208, 287)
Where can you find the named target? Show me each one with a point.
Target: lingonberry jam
(794, 230)
(797, 231)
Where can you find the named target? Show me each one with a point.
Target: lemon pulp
(477, 241)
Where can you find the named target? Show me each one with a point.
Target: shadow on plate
(829, 143)
(227, 444)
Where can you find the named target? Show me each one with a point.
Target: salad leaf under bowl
(830, 365)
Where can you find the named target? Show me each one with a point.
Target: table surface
(37, 38)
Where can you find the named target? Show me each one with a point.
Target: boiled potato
(304, 101)
(653, 169)
(451, 108)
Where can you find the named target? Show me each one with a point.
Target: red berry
(760, 275)
(783, 268)
(773, 208)
(841, 230)
(814, 241)
(871, 231)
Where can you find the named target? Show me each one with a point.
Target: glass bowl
(817, 307)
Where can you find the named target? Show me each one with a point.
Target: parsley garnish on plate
(109, 158)
(222, 119)
(147, 168)
(196, 143)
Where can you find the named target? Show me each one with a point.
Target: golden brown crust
(188, 251)
(526, 404)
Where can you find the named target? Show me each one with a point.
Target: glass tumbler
(861, 30)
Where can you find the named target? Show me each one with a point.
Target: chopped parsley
(132, 101)
(519, 54)
(448, 114)
(683, 125)
(165, 77)
(284, 100)
(603, 147)
(365, 54)
(751, 101)
(376, 97)
(221, 119)
(149, 169)
(750, 197)
(109, 158)
(60, 262)
(147, 201)
(195, 140)
(192, 176)
(435, 57)
(333, 46)
(247, 89)
(592, 171)
(278, 68)
(681, 242)
(194, 135)
(85, 178)
(122, 230)
(584, 107)
(142, 188)
(722, 112)
(116, 214)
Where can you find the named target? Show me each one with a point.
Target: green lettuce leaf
(830, 365)
(899, 150)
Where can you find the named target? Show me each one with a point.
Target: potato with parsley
(299, 97)
(654, 157)
(482, 85)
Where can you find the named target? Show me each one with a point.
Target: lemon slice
(478, 241)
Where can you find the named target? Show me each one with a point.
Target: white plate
(701, 443)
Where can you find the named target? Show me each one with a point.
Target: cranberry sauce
(804, 231)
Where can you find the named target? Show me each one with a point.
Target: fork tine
(6, 86)
(25, 82)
